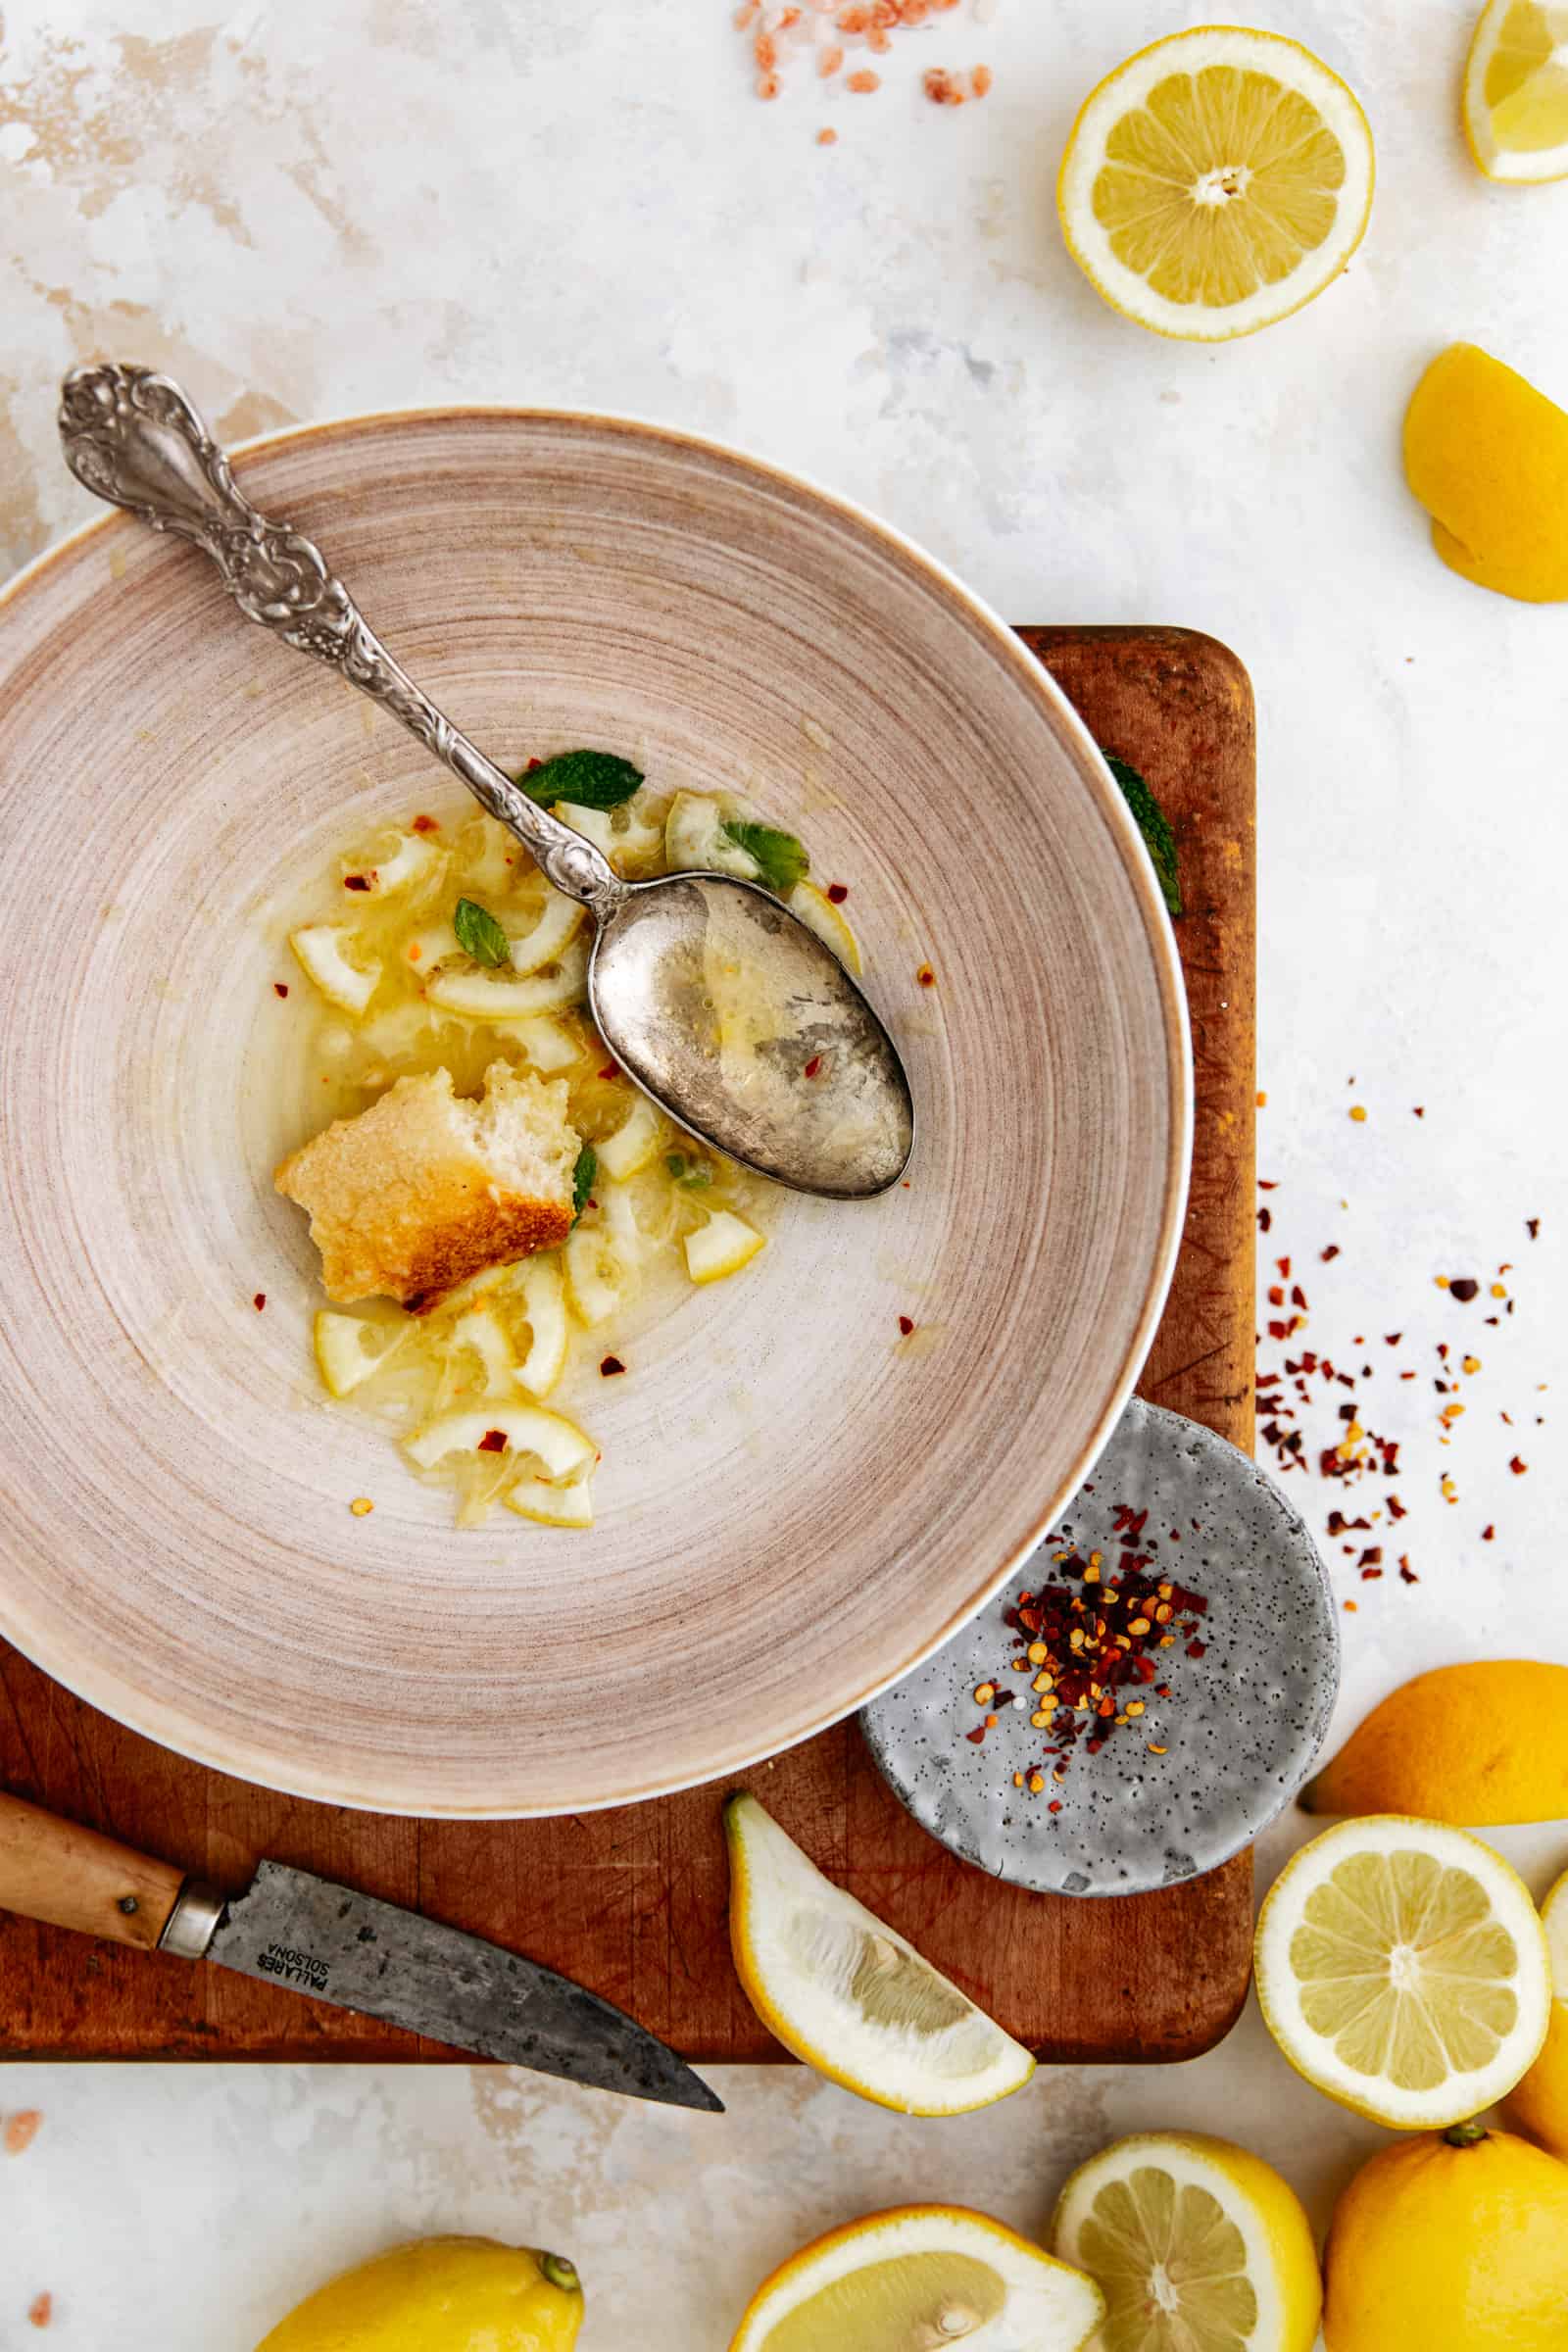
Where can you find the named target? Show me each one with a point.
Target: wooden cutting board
(634, 1902)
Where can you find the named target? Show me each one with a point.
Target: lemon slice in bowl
(1401, 1969)
(322, 951)
(1194, 2245)
(720, 1246)
(1216, 182)
(350, 1347)
(818, 914)
(1516, 91)
(919, 2274)
(847, 1994)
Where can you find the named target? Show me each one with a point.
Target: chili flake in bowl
(1146, 1694)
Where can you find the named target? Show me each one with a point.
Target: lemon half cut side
(1516, 92)
(1216, 182)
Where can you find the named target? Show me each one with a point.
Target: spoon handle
(135, 439)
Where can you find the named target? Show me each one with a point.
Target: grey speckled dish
(1242, 1726)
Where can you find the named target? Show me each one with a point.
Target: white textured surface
(312, 210)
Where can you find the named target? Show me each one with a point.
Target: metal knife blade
(360, 1953)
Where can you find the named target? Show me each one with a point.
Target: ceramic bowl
(797, 1503)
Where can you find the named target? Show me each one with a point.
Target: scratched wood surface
(634, 1902)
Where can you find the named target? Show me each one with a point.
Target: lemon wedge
(818, 914)
(543, 1302)
(350, 1347)
(321, 952)
(484, 996)
(1487, 455)
(1216, 182)
(1197, 2246)
(1516, 91)
(558, 1445)
(634, 1143)
(1403, 1970)
(849, 1995)
(721, 1247)
(696, 842)
(571, 1503)
(1539, 2102)
(916, 2277)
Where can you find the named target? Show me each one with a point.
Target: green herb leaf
(1154, 826)
(779, 855)
(479, 935)
(590, 779)
(676, 1162)
(691, 1177)
(582, 1179)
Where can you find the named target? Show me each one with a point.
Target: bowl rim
(164, 1721)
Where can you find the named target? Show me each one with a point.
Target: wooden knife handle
(74, 1877)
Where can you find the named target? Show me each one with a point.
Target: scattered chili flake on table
(1517, 1467)
(1531, 1224)
(906, 1325)
(40, 2311)
(1462, 1287)
(281, 988)
(22, 2130)
(827, 136)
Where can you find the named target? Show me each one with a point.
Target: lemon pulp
(1171, 2264)
(1525, 89)
(912, 2300)
(1219, 184)
(1404, 1969)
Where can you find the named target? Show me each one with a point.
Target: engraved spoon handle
(135, 439)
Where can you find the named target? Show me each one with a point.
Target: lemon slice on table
(920, 2276)
(1403, 1970)
(846, 1993)
(1516, 91)
(1196, 2245)
(1216, 182)
(1539, 2102)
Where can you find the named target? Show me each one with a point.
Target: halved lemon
(323, 953)
(1539, 2102)
(721, 1247)
(920, 2276)
(1216, 182)
(1516, 91)
(1197, 2246)
(1401, 1968)
(842, 1990)
(818, 914)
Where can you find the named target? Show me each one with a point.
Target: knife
(291, 1928)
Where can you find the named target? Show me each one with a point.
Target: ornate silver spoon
(710, 995)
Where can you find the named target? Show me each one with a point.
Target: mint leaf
(690, 1178)
(479, 935)
(779, 855)
(590, 779)
(1153, 824)
(582, 1179)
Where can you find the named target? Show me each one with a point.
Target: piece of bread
(424, 1188)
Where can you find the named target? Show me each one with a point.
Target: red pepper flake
(1198, 1650)
(1533, 1228)
(281, 988)
(1265, 1219)
(926, 976)
(814, 1066)
(610, 1069)
(1517, 1467)
(1408, 1574)
(1268, 1184)
(864, 82)
(980, 79)
(978, 1735)
(906, 1325)
(22, 2130)
(610, 1367)
(260, 1301)
(493, 1440)
(1331, 1253)
(1054, 1805)
(827, 136)
(837, 892)
(426, 824)
(941, 88)
(1420, 1112)
(1463, 1287)
(1488, 1534)
(356, 881)
(40, 2311)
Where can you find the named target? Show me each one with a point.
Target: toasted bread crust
(406, 1200)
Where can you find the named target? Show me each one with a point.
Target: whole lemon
(1480, 1742)
(440, 2294)
(1452, 2241)
(1487, 455)
(1539, 2103)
